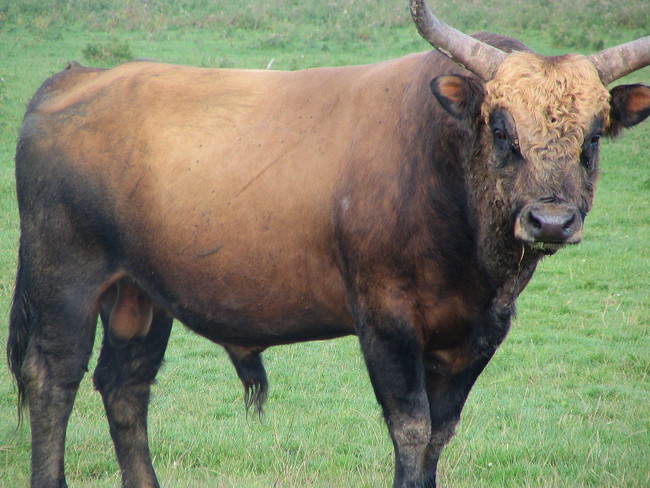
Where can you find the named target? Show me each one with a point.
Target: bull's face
(540, 122)
(543, 119)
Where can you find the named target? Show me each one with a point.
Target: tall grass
(566, 400)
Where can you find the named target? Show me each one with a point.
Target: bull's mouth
(546, 248)
(548, 226)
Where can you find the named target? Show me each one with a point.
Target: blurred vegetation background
(577, 24)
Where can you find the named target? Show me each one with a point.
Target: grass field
(564, 403)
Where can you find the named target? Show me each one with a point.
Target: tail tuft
(249, 367)
(19, 334)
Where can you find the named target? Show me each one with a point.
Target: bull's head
(541, 119)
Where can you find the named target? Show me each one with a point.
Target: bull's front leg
(397, 373)
(447, 394)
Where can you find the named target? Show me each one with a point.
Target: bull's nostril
(535, 223)
(569, 224)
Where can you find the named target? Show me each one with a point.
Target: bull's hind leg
(53, 323)
(135, 339)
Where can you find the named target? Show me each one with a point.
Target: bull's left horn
(618, 61)
(478, 57)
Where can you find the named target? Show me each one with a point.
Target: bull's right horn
(480, 58)
(618, 61)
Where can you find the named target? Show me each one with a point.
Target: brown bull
(407, 202)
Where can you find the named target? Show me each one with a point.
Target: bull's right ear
(461, 96)
(630, 105)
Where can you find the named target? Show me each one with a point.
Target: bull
(407, 202)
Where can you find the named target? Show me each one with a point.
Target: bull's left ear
(630, 104)
(461, 96)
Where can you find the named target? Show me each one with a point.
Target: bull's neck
(508, 263)
(470, 228)
(462, 223)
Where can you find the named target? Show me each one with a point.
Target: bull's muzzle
(549, 223)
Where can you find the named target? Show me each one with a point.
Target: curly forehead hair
(554, 102)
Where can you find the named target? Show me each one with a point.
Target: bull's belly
(259, 323)
(242, 329)
(253, 299)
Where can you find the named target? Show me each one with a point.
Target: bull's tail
(20, 330)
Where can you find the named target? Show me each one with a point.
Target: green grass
(566, 400)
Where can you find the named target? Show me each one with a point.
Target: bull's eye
(589, 155)
(594, 140)
(499, 135)
(504, 139)
(590, 151)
